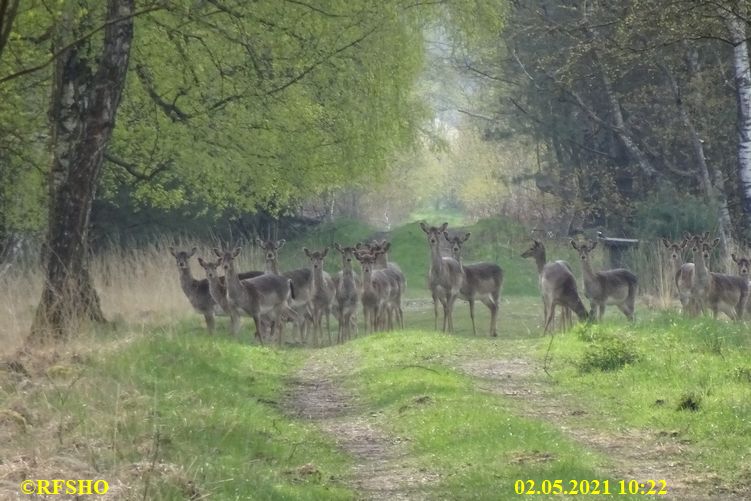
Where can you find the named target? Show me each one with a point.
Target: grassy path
(381, 468)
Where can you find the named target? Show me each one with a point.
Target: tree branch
(75, 42)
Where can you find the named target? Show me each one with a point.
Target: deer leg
(472, 315)
(234, 323)
(602, 311)
(257, 322)
(209, 317)
(435, 311)
(451, 301)
(328, 325)
(549, 317)
(492, 304)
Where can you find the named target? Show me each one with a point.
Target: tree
(87, 86)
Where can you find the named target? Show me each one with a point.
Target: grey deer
(197, 291)
(445, 277)
(263, 295)
(347, 296)
(482, 281)
(397, 282)
(718, 291)
(557, 285)
(683, 274)
(302, 280)
(618, 286)
(376, 290)
(323, 292)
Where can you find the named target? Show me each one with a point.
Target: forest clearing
(357, 249)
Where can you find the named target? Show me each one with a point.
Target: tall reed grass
(137, 287)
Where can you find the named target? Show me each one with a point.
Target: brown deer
(376, 289)
(482, 281)
(302, 280)
(683, 274)
(197, 291)
(397, 282)
(347, 296)
(266, 294)
(445, 277)
(323, 292)
(721, 292)
(557, 285)
(617, 286)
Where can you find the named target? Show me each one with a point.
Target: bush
(607, 353)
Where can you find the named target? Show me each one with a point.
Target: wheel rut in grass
(382, 467)
(631, 454)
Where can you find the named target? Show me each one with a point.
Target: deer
(376, 289)
(683, 274)
(398, 284)
(302, 279)
(743, 264)
(557, 285)
(323, 292)
(198, 291)
(445, 277)
(721, 292)
(265, 294)
(218, 291)
(617, 286)
(482, 281)
(347, 296)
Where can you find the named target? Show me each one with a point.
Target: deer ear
(666, 243)
(684, 243)
(216, 251)
(306, 251)
(592, 245)
(325, 251)
(338, 247)
(466, 237)
(735, 259)
(716, 242)
(201, 262)
(444, 226)
(280, 243)
(193, 252)
(259, 242)
(386, 246)
(172, 251)
(573, 244)
(422, 225)
(236, 252)
(446, 235)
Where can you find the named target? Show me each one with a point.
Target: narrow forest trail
(385, 469)
(630, 454)
(382, 467)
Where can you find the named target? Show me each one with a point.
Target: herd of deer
(305, 296)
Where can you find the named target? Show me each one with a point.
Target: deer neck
(318, 276)
(700, 266)
(367, 281)
(232, 280)
(436, 260)
(587, 270)
(347, 270)
(540, 262)
(271, 267)
(186, 279)
(458, 259)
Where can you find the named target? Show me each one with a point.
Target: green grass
(702, 361)
(207, 408)
(476, 442)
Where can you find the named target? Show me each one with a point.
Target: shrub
(608, 353)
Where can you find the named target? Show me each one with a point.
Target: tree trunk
(737, 28)
(86, 93)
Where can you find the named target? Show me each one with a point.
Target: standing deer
(683, 274)
(197, 291)
(557, 285)
(323, 292)
(263, 295)
(616, 286)
(218, 291)
(302, 280)
(397, 282)
(721, 292)
(376, 289)
(482, 281)
(445, 277)
(347, 295)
